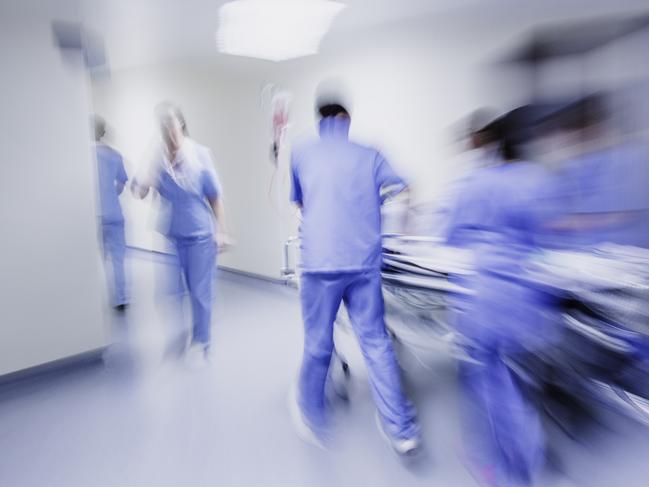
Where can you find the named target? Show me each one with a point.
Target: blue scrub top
(498, 216)
(612, 181)
(110, 169)
(500, 208)
(338, 184)
(186, 189)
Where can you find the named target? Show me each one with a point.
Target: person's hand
(139, 191)
(223, 241)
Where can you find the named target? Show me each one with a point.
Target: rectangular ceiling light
(275, 30)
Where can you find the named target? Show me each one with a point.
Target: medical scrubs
(338, 185)
(186, 188)
(604, 193)
(497, 217)
(110, 170)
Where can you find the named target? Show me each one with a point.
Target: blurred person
(111, 180)
(496, 216)
(183, 174)
(481, 140)
(479, 149)
(600, 181)
(339, 187)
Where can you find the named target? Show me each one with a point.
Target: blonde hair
(167, 107)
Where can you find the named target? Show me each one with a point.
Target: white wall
(223, 113)
(50, 285)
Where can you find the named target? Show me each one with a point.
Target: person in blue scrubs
(497, 216)
(184, 176)
(111, 180)
(601, 187)
(482, 152)
(338, 186)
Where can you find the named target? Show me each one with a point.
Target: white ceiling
(152, 31)
(149, 31)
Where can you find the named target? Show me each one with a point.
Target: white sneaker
(403, 447)
(303, 430)
(196, 357)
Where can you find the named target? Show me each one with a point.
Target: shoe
(302, 428)
(197, 357)
(404, 447)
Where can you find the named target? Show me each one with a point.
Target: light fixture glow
(275, 30)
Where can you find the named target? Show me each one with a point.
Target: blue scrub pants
(504, 318)
(321, 295)
(503, 432)
(197, 258)
(114, 246)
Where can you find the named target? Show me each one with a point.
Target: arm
(143, 181)
(213, 193)
(121, 177)
(389, 185)
(139, 190)
(222, 236)
(296, 187)
(388, 182)
(147, 175)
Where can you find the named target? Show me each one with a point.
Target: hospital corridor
(323, 243)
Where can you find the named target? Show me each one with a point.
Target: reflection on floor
(144, 421)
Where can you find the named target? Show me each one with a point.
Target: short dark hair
(332, 110)
(513, 131)
(99, 126)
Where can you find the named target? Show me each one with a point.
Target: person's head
(479, 128)
(331, 100)
(173, 127)
(99, 127)
(520, 131)
(333, 109)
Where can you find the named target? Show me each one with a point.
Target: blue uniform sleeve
(121, 175)
(385, 175)
(211, 185)
(473, 208)
(632, 191)
(459, 221)
(296, 188)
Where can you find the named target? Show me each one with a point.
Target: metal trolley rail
(605, 325)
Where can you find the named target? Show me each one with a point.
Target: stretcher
(604, 352)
